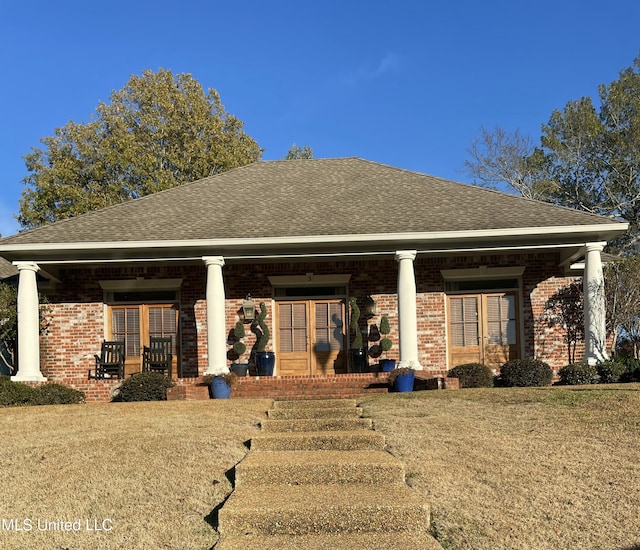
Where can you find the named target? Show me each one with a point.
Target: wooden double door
(310, 337)
(136, 323)
(483, 328)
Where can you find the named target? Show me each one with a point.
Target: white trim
(483, 234)
(310, 279)
(123, 285)
(482, 272)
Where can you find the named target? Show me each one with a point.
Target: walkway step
(308, 412)
(313, 509)
(329, 541)
(314, 425)
(360, 440)
(316, 404)
(317, 467)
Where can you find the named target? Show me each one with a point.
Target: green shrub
(146, 386)
(611, 371)
(632, 369)
(578, 373)
(525, 372)
(15, 393)
(57, 394)
(472, 375)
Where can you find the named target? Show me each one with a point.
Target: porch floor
(340, 386)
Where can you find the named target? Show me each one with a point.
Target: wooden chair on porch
(157, 356)
(110, 362)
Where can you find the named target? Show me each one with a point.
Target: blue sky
(406, 83)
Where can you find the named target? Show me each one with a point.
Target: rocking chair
(157, 356)
(110, 362)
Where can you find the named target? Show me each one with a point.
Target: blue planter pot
(220, 389)
(387, 365)
(239, 369)
(265, 362)
(404, 382)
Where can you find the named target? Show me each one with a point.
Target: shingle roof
(348, 196)
(7, 269)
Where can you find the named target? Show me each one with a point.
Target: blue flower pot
(404, 382)
(387, 365)
(265, 362)
(220, 389)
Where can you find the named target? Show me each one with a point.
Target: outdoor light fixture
(248, 309)
(370, 307)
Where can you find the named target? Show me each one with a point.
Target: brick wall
(78, 314)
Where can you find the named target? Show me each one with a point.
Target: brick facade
(78, 313)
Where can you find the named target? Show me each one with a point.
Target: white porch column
(594, 306)
(216, 329)
(28, 324)
(407, 309)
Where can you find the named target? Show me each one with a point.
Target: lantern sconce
(370, 307)
(248, 311)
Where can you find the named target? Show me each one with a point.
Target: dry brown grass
(155, 470)
(522, 468)
(502, 468)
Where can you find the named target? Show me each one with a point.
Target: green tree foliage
(295, 152)
(588, 158)
(157, 132)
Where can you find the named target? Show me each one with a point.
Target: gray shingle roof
(348, 196)
(7, 269)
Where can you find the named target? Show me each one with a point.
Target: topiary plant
(525, 372)
(575, 374)
(145, 386)
(385, 329)
(239, 346)
(472, 375)
(264, 337)
(355, 327)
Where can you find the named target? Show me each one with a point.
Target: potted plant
(265, 360)
(403, 377)
(386, 364)
(239, 347)
(356, 351)
(220, 384)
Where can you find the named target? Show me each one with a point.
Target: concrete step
(316, 404)
(316, 424)
(317, 467)
(360, 440)
(331, 541)
(311, 412)
(313, 509)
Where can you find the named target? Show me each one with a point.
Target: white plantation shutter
(501, 319)
(464, 321)
(293, 327)
(125, 325)
(328, 326)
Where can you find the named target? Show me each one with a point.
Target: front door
(136, 323)
(483, 328)
(310, 337)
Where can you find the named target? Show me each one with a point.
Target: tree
(157, 132)
(500, 158)
(9, 324)
(588, 158)
(295, 152)
(565, 309)
(622, 295)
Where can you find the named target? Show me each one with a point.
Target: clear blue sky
(407, 83)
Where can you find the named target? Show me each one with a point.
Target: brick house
(462, 272)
